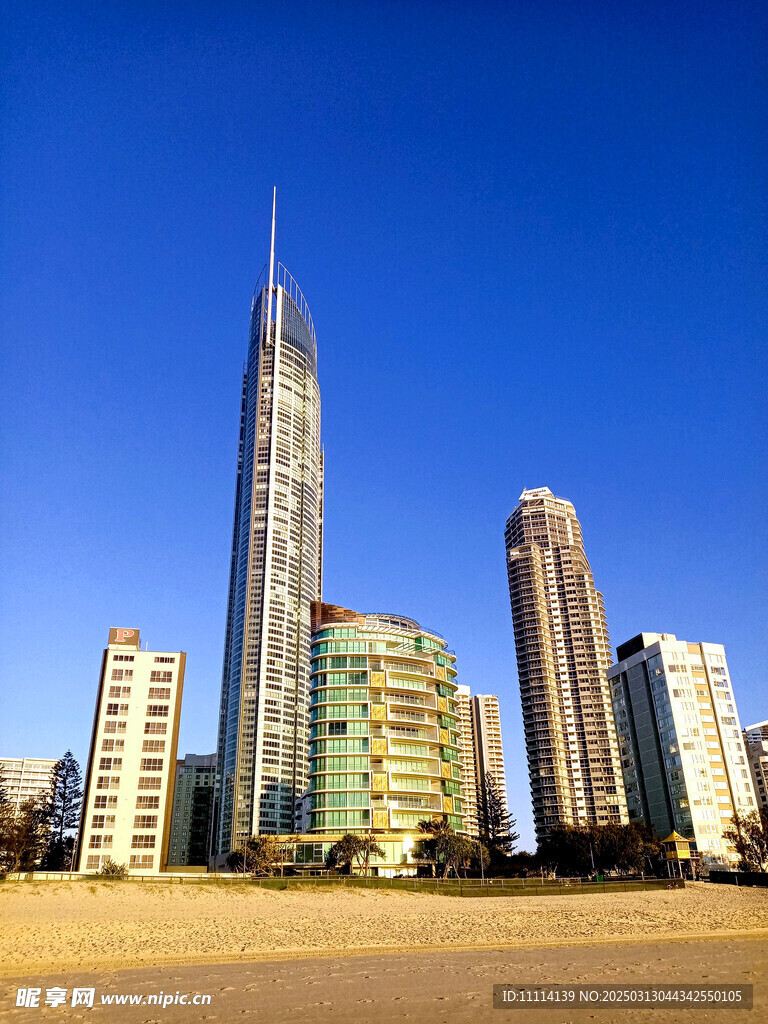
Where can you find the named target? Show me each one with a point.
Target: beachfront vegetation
(748, 835)
(109, 869)
(263, 856)
(66, 799)
(353, 849)
(496, 824)
(23, 834)
(586, 849)
(443, 850)
(36, 832)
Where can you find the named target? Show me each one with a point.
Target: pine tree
(496, 823)
(66, 798)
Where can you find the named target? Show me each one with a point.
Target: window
(92, 862)
(112, 709)
(156, 676)
(151, 764)
(148, 802)
(150, 782)
(122, 657)
(142, 842)
(108, 782)
(111, 727)
(150, 746)
(165, 661)
(100, 842)
(159, 693)
(157, 710)
(100, 802)
(145, 821)
(158, 728)
(97, 821)
(141, 861)
(107, 764)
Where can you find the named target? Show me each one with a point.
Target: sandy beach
(54, 926)
(428, 988)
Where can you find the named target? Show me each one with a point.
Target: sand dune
(53, 926)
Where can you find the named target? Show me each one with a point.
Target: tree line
(38, 833)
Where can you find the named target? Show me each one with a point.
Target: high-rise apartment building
(26, 778)
(469, 780)
(384, 733)
(275, 570)
(192, 815)
(756, 742)
(563, 652)
(481, 752)
(487, 748)
(682, 752)
(132, 761)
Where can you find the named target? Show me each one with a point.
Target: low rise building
(26, 778)
(128, 794)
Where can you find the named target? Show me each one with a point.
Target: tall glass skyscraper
(275, 572)
(563, 654)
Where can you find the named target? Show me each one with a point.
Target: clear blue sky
(532, 237)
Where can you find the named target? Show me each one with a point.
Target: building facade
(469, 779)
(481, 753)
(682, 752)
(756, 743)
(275, 571)
(487, 748)
(384, 725)
(563, 653)
(192, 814)
(26, 778)
(132, 761)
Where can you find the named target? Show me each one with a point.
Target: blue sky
(532, 237)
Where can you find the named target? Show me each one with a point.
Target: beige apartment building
(129, 782)
(469, 780)
(487, 747)
(682, 750)
(756, 743)
(563, 653)
(481, 752)
(26, 778)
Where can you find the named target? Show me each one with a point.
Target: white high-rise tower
(275, 570)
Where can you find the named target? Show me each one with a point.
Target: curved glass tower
(384, 733)
(275, 570)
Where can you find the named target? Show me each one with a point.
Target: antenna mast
(271, 269)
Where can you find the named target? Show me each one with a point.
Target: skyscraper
(467, 756)
(486, 742)
(275, 569)
(563, 652)
(682, 750)
(481, 752)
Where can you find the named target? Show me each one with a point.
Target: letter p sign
(128, 637)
